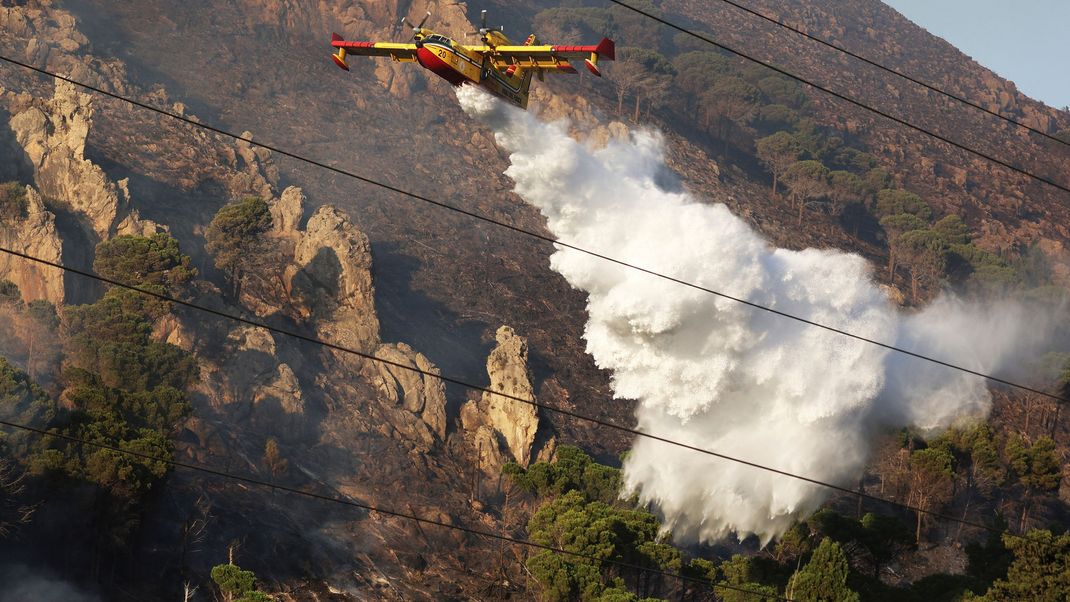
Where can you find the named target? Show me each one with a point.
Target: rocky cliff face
(500, 428)
(50, 37)
(374, 432)
(353, 424)
(331, 276)
(419, 393)
(287, 211)
(329, 284)
(264, 389)
(53, 136)
(254, 172)
(507, 368)
(332, 281)
(35, 235)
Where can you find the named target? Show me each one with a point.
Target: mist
(716, 374)
(24, 583)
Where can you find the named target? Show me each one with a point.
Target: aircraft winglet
(339, 57)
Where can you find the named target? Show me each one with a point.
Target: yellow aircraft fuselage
(503, 69)
(459, 64)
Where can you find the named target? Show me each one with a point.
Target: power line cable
(848, 99)
(533, 234)
(776, 21)
(536, 235)
(551, 240)
(385, 511)
(473, 387)
(458, 382)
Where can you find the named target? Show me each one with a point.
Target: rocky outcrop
(284, 389)
(499, 426)
(53, 135)
(286, 211)
(50, 38)
(170, 329)
(255, 376)
(35, 235)
(507, 367)
(417, 392)
(331, 277)
(330, 284)
(253, 172)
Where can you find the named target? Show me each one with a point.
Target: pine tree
(824, 578)
(235, 233)
(237, 585)
(154, 259)
(1040, 571)
(778, 152)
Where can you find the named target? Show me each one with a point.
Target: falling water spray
(716, 374)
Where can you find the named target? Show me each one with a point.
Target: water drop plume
(716, 374)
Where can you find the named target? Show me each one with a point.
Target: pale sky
(1027, 42)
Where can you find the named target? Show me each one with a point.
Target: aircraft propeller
(416, 28)
(483, 29)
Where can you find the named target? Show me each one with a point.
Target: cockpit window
(437, 38)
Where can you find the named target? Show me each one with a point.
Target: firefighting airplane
(497, 65)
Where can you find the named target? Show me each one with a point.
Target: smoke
(713, 373)
(24, 583)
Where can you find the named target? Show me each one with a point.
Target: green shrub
(13, 202)
(140, 260)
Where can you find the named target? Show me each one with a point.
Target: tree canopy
(154, 260)
(10, 293)
(1040, 570)
(573, 470)
(845, 187)
(597, 529)
(807, 180)
(898, 202)
(237, 585)
(824, 577)
(778, 152)
(584, 515)
(123, 389)
(235, 230)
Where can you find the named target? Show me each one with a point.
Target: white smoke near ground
(713, 373)
(22, 583)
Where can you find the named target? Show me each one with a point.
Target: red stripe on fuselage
(340, 43)
(431, 61)
(573, 48)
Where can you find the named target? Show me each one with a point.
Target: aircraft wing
(552, 57)
(399, 52)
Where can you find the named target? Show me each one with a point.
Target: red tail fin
(606, 49)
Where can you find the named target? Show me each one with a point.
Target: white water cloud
(713, 373)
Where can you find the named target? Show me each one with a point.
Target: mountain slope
(444, 284)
